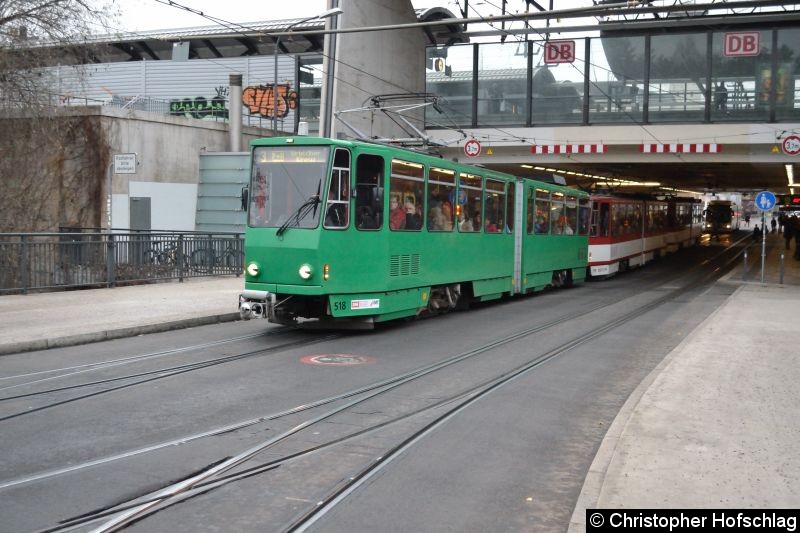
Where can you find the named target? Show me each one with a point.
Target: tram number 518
(339, 305)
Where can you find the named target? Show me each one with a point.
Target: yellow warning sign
(489, 151)
(775, 150)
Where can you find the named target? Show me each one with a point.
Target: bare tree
(40, 33)
(52, 164)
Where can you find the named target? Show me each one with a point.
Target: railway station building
(664, 99)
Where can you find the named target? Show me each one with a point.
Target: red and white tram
(685, 222)
(631, 231)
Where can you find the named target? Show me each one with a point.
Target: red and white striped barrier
(569, 149)
(680, 148)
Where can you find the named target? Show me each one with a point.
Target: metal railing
(91, 259)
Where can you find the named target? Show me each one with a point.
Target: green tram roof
(412, 155)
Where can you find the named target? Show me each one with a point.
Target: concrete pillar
(378, 63)
(329, 54)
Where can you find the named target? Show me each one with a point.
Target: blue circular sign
(765, 200)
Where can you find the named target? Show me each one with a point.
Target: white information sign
(124, 163)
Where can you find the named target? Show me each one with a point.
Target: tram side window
(583, 216)
(494, 202)
(636, 219)
(684, 215)
(659, 217)
(650, 219)
(337, 210)
(617, 219)
(558, 219)
(406, 196)
(531, 217)
(623, 219)
(441, 193)
(622, 214)
(469, 212)
(542, 224)
(600, 223)
(571, 212)
(369, 192)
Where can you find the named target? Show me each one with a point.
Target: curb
(87, 338)
(592, 489)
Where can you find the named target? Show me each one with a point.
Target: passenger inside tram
(397, 216)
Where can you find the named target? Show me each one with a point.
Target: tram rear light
(326, 272)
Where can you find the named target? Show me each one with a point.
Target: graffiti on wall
(201, 107)
(262, 100)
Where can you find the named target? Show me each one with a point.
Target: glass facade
(677, 86)
(616, 88)
(734, 80)
(309, 77)
(501, 83)
(689, 77)
(557, 85)
(787, 91)
(457, 87)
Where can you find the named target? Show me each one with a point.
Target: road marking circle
(337, 359)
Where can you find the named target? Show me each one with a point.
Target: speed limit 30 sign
(472, 148)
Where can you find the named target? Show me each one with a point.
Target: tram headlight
(253, 269)
(305, 271)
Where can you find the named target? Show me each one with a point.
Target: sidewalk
(45, 320)
(776, 245)
(714, 425)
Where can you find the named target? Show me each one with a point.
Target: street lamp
(325, 14)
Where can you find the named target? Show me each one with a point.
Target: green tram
(350, 233)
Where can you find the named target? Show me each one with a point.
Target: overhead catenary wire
(243, 29)
(490, 20)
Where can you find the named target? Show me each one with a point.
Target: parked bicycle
(206, 260)
(165, 253)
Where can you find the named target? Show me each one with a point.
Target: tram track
(216, 476)
(148, 376)
(322, 507)
(152, 375)
(73, 370)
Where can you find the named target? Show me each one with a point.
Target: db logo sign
(559, 52)
(791, 145)
(745, 43)
(472, 148)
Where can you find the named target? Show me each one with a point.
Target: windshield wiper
(300, 214)
(319, 188)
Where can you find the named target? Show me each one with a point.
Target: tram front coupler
(256, 304)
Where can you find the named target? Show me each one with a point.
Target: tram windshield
(718, 215)
(287, 184)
